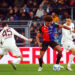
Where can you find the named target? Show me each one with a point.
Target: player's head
(48, 20)
(68, 20)
(4, 24)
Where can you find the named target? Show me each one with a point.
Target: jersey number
(7, 32)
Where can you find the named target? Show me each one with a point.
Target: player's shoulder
(40, 28)
(10, 28)
(64, 24)
(42, 25)
(72, 24)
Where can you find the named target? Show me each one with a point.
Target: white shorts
(12, 48)
(68, 45)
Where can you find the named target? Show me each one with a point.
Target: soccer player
(67, 40)
(7, 43)
(47, 31)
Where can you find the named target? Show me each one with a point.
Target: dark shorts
(45, 45)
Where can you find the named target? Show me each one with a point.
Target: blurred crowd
(13, 10)
(34, 9)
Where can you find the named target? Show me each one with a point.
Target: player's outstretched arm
(61, 26)
(38, 40)
(73, 31)
(21, 36)
(65, 27)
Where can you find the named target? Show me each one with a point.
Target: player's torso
(48, 33)
(69, 33)
(71, 26)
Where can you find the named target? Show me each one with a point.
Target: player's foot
(69, 68)
(13, 65)
(40, 69)
(61, 67)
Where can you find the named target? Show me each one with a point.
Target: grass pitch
(31, 69)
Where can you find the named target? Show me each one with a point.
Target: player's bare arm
(65, 27)
(21, 36)
(37, 38)
(73, 31)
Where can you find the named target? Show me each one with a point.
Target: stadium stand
(34, 11)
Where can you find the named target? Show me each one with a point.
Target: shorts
(45, 45)
(13, 49)
(68, 45)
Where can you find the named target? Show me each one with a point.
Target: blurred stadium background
(26, 16)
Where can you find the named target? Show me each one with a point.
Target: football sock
(58, 58)
(40, 62)
(70, 60)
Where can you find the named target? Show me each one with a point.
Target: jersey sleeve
(19, 35)
(56, 24)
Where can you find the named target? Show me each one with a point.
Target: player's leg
(16, 52)
(1, 56)
(72, 50)
(41, 60)
(59, 50)
(1, 53)
(56, 47)
(69, 47)
(42, 52)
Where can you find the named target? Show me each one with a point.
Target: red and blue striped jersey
(48, 32)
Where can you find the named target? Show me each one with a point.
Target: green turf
(29, 69)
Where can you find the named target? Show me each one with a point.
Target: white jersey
(7, 41)
(67, 34)
(7, 35)
(67, 40)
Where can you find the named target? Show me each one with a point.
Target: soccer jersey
(67, 40)
(48, 32)
(7, 34)
(8, 41)
(67, 34)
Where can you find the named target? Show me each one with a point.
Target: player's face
(48, 23)
(68, 21)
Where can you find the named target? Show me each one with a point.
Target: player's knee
(1, 56)
(73, 53)
(60, 51)
(21, 58)
(41, 56)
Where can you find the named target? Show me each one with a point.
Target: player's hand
(40, 44)
(73, 31)
(60, 26)
(30, 40)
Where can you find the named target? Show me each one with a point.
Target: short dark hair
(4, 24)
(48, 18)
(69, 17)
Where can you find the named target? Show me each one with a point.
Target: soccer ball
(56, 67)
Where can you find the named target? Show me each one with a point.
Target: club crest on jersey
(51, 26)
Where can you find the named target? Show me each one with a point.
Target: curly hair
(48, 18)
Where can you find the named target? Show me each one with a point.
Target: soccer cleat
(13, 65)
(40, 69)
(61, 67)
(69, 68)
